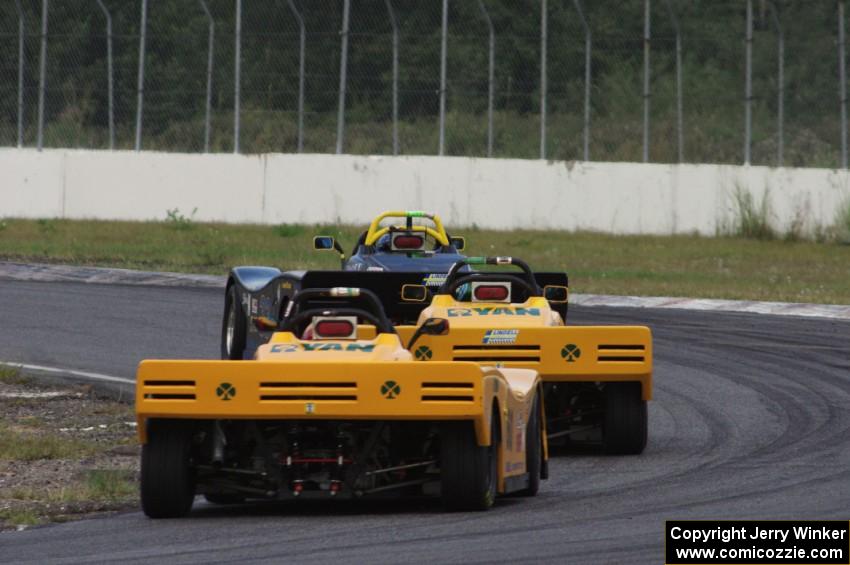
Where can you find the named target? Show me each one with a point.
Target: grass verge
(684, 265)
(31, 446)
(12, 376)
(64, 453)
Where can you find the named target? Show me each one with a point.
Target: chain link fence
(719, 81)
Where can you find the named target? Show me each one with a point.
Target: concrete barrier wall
(491, 193)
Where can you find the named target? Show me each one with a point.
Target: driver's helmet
(384, 242)
(463, 293)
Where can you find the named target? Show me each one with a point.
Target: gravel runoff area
(66, 451)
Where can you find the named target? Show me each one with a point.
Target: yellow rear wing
(308, 390)
(559, 353)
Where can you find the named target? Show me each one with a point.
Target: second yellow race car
(324, 412)
(596, 379)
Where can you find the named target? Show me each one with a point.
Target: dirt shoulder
(65, 452)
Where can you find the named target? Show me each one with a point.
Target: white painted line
(833, 311)
(81, 374)
(103, 275)
(31, 395)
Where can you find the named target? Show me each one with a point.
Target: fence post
(587, 74)
(140, 88)
(780, 84)
(646, 90)
(543, 32)
(42, 74)
(302, 46)
(443, 55)
(210, 47)
(109, 72)
(21, 30)
(491, 71)
(394, 24)
(680, 121)
(748, 86)
(842, 84)
(343, 76)
(237, 72)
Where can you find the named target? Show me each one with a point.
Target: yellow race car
(596, 379)
(323, 412)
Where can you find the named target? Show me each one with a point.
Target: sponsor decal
(492, 311)
(515, 466)
(500, 337)
(345, 291)
(423, 353)
(309, 408)
(375, 269)
(253, 306)
(434, 279)
(390, 390)
(225, 391)
(286, 285)
(326, 346)
(570, 352)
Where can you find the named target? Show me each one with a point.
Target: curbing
(99, 275)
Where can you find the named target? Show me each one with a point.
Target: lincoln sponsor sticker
(500, 337)
(434, 279)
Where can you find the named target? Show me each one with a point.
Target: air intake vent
(161, 389)
(497, 353)
(445, 398)
(301, 397)
(620, 353)
(448, 392)
(290, 385)
(289, 391)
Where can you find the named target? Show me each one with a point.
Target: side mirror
(324, 242)
(434, 326)
(458, 242)
(328, 243)
(414, 293)
(431, 326)
(556, 294)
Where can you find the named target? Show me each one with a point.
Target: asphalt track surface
(751, 420)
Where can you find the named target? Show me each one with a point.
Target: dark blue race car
(398, 249)
(403, 246)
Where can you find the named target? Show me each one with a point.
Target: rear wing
(559, 354)
(308, 390)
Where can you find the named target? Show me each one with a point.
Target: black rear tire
(533, 450)
(233, 327)
(625, 422)
(468, 471)
(168, 486)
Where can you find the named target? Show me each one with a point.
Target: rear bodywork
(335, 418)
(575, 363)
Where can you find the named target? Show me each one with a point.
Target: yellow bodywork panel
(531, 335)
(534, 312)
(558, 354)
(343, 380)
